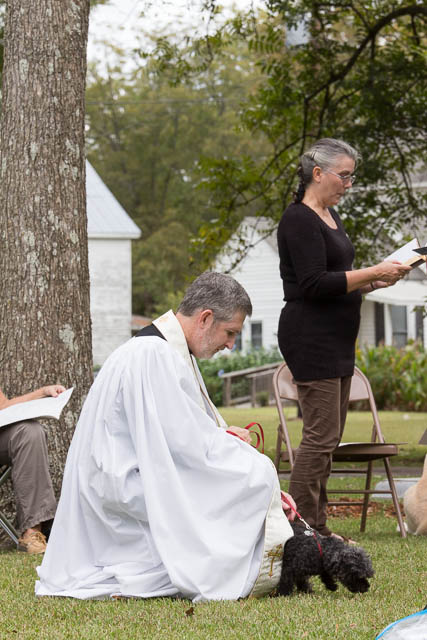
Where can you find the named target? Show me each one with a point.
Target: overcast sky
(121, 22)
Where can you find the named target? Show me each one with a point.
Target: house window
(419, 325)
(256, 335)
(379, 324)
(399, 325)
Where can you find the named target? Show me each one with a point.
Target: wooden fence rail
(262, 374)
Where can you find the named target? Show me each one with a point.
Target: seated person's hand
(243, 434)
(52, 390)
(289, 509)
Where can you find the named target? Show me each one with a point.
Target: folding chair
(361, 452)
(4, 522)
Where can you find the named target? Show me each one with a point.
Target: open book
(42, 408)
(407, 255)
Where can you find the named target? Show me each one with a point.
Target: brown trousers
(23, 444)
(324, 409)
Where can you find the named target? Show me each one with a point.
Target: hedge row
(398, 377)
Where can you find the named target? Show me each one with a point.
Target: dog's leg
(286, 584)
(328, 581)
(303, 584)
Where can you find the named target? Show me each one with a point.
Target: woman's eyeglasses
(348, 177)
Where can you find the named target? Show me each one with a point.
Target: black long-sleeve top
(320, 321)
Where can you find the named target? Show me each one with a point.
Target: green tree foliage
(147, 134)
(360, 75)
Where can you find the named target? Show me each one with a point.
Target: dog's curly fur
(339, 562)
(415, 505)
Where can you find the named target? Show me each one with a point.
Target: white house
(110, 233)
(388, 315)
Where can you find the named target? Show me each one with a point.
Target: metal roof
(106, 217)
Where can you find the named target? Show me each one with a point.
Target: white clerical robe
(156, 499)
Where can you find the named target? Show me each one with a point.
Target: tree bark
(44, 307)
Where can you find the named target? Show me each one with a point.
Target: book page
(41, 408)
(405, 252)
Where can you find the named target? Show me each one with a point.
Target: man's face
(215, 335)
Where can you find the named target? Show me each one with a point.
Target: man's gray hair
(216, 291)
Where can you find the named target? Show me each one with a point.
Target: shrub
(262, 398)
(398, 377)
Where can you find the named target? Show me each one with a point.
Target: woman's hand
(389, 272)
(52, 390)
(379, 284)
(381, 275)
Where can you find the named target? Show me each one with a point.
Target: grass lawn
(396, 426)
(398, 588)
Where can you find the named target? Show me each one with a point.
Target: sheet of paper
(405, 252)
(42, 408)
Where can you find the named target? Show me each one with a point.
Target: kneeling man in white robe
(157, 498)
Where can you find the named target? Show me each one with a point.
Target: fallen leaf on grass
(189, 611)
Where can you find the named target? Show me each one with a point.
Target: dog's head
(353, 567)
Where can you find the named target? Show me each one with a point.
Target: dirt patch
(355, 510)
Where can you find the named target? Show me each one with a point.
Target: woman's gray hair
(323, 154)
(216, 291)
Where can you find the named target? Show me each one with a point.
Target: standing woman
(319, 324)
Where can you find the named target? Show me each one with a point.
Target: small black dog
(308, 555)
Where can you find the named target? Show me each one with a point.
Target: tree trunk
(44, 308)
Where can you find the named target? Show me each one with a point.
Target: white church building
(110, 234)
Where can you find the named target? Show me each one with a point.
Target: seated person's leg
(35, 500)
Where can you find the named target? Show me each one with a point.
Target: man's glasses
(348, 177)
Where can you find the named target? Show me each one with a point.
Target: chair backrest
(284, 384)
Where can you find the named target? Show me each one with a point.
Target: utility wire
(166, 101)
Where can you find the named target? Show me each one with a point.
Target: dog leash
(308, 529)
(259, 436)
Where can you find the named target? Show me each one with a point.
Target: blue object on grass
(413, 627)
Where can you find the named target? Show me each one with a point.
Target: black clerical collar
(150, 330)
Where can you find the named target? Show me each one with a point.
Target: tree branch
(372, 34)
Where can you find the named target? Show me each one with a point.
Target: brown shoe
(34, 542)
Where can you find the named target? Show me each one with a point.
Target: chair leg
(278, 448)
(395, 498)
(4, 522)
(366, 497)
(8, 528)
